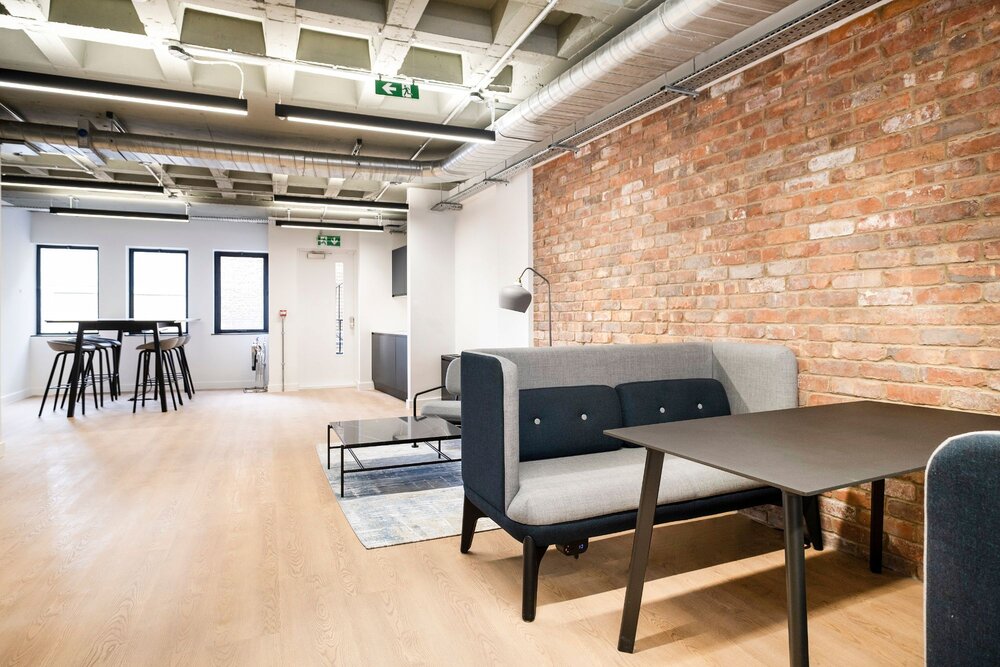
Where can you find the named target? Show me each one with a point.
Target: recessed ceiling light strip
(293, 223)
(344, 204)
(379, 124)
(75, 185)
(107, 90)
(122, 215)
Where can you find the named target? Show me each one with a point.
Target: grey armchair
(962, 545)
(448, 410)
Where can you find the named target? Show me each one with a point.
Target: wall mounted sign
(328, 240)
(395, 89)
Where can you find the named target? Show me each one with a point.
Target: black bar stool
(180, 362)
(108, 355)
(170, 374)
(66, 348)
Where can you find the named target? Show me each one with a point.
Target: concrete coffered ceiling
(319, 53)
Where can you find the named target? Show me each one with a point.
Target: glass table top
(394, 429)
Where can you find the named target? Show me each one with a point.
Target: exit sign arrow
(393, 89)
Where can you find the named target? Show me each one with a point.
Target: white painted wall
(492, 246)
(17, 303)
(431, 288)
(217, 362)
(378, 310)
(289, 292)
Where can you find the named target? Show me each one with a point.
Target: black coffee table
(804, 452)
(389, 431)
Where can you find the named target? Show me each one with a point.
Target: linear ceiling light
(109, 187)
(346, 204)
(106, 90)
(378, 124)
(122, 215)
(292, 223)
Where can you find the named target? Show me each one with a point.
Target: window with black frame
(240, 292)
(158, 283)
(66, 286)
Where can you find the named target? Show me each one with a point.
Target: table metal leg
(878, 515)
(327, 447)
(158, 353)
(342, 445)
(640, 550)
(74, 374)
(795, 581)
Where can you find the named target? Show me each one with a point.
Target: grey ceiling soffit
(669, 35)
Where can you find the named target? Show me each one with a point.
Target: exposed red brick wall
(841, 198)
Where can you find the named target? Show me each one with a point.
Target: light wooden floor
(210, 536)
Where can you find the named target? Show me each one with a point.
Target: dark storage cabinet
(389, 364)
(399, 271)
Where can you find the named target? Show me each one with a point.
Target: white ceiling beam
(281, 39)
(393, 42)
(161, 23)
(58, 52)
(279, 184)
(332, 187)
(223, 183)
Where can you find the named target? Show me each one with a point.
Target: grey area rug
(389, 507)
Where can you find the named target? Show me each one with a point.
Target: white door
(326, 324)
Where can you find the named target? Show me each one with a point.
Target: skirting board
(366, 386)
(17, 396)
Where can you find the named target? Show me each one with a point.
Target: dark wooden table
(803, 452)
(122, 325)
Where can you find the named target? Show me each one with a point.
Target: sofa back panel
(757, 377)
(606, 364)
(671, 400)
(567, 421)
(483, 452)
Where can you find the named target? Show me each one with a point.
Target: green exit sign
(328, 240)
(396, 89)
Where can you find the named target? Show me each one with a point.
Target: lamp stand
(548, 286)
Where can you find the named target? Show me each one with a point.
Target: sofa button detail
(700, 406)
(584, 416)
(662, 409)
(537, 421)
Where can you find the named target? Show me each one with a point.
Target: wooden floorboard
(210, 536)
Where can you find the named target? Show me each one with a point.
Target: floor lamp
(515, 297)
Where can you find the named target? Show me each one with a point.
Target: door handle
(350, 322)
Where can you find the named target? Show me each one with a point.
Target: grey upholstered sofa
(535, 458)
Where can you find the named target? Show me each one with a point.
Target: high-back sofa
(535, 458)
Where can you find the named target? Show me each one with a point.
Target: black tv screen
(399, 271)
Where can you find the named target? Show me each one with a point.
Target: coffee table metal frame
(416, 442)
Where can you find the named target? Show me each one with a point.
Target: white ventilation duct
(669, 35)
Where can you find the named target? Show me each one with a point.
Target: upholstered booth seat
(537, 460)
(572, 488)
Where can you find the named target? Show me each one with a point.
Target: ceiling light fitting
(387, 125)
(346, 204)
(326, 226)
(106, 90)
(119, 215)
(108, 187)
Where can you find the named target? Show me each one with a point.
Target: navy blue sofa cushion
(567, 421)
(671, 400)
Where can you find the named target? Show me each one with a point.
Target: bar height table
(122, 325)
(804, 452)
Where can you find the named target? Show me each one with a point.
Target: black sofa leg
(811, 512)
(533, 555)
(470, 517)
